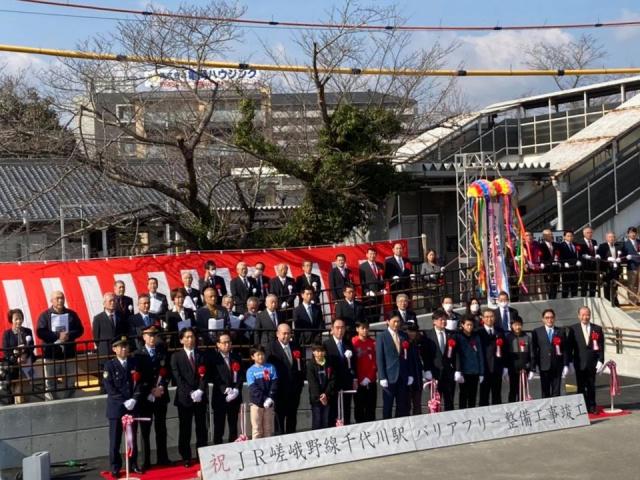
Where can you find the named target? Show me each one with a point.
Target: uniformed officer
(153, 362)
(123, 384)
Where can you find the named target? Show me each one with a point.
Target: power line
(347, 26)
(405, 72)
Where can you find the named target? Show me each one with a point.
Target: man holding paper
(58, 328)
(159, 305)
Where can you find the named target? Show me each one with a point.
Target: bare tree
(584, 52)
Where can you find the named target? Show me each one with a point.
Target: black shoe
(136, 469)
(115, 474)
(187, 464)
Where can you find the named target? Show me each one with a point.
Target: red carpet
(601, 414)
(177, 472)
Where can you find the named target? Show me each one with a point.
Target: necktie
(246, 283)
(226, 360)
(399, 259)
(550, 334)
(152, 353)
(340, 349)
(585, 332)
(112, 318)
(192, 361)
(396, 341)
(275, 320)
(505, 319)
(441, 340)
(287, 352)
(375, 269)
(308, 307)
(571, 247)
(490, 331)
(124, 364)
(146, 320)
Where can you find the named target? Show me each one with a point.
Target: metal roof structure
(37, 189)
(594, 137)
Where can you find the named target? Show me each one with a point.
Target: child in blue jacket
(263, 384)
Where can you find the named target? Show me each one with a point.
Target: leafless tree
(583, 52)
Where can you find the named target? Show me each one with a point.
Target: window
(127, 146)
(125, 113)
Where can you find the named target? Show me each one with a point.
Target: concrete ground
(606, 449)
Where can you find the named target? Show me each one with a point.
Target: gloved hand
(599, 367)
(628, 257)
(505, 372)
(542, 266)
(531, 375)
(597, 257)
(268, 403)
(232, 395)
(284, 305)
(409, 381)
(151, 398)
(481, 379)
(395, 278)
(371, 293)
(130, 404)
(365, 381)
(458, 377)
(578, 263)
(384, 383)
(565, 371)
(611, 259)
(196, 396)
(227, 390)
(586, 256)
(427, 376)
(566, 264)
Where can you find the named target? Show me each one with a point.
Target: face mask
(475, 308)
(447, 307)
(503, 304)
(212, 272)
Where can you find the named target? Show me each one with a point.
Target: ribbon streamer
(434, 403)
(614, 382)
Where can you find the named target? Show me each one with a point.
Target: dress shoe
(187, 464)
(115, 474)
(136, 469)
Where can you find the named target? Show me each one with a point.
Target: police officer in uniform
(123, 384)
(153, 361)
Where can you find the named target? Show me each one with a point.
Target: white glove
(458, 377)
(232, 395)
(130, 404)
(628, 257)
(531, 375)
(383, 291)
(599, 367)
(241, 317)
(268, 403)
(505, 372)
(566, 265)
(371, 293)
(409, 381)
(412, 276)
(227, 390)
(396, 278)
(611, 259)
(542, 266)
(586, 257)
(481, 379)
(284, 305)
(571, 368)
(427, 376)
(348, 354)
(151, 398)
(597, 257)
(384, 383)
(565, 371)
(365, 381)
(578, 263)
(196, 396)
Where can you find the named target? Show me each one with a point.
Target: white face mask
(447, 307)
(475, 308)
(503, 304)
(212, 272)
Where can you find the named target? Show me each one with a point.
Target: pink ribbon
(434, 403)
(525, 396)
(614, 383)
(127, 421)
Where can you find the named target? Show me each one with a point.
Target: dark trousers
(514, 386)
(447, 389)
(365, 403)
(606, 285)
(372, 308)
(551, 280)
(287, 413)
(223, 411)
(320, 416)
(415, 400)
(589, 280)
(115, 437)
(468, 391)
(586, 380)
(333, 409)
(399, 393)
(186, 415)
(550, 383)
(569, 285)
(491, 389)
(158, 414)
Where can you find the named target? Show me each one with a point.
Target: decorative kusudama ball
(503, 186)
(481, 188)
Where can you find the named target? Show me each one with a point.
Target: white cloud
(624, 34)
(15, 63)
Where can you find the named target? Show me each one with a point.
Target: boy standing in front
(263, 384)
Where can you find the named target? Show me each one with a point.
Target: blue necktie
(146, 320)
(550, 335)
(340, 349)
(152, 352)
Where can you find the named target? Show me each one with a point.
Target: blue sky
(491, 50)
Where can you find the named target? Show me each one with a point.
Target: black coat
(173, 319)
(321, 380)
(519, 358)
(492, 363)
(583, 355)
(150, 368)
(545, 357)
(302, 321)
(124, 305)
(222, 377)
(218, 284)
(10, 341)
(350, 313)
(440, 365)
(392, 269)
(44, 333)
(187, 379)
(337, 282)
(164, 304)
(203, 314)
(290, 377)
(369, 281)
(104, 331)
(345, 374)
(119, 385)
(497, 312)
(410, 316)
(282, 291)
(265, 329)
(302, 282)
(241, 293)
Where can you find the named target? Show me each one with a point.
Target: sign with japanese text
(330, 446)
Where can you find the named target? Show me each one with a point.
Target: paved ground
(606, 449)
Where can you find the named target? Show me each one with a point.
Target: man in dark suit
(570, 262)
(340, 355)
(267, 321)
(282, 353)
(609, 257)
(350, 310)
(631, 249)
(397, 368)
(124, 303)
(549, 257)
(309, 279)
(121, 382)
(159, 305)
(226, 399)
(152, 360)
(505, 313)
(588, 249)
(397, 271)
(283, 287)
(307, 316)
(193, 300)
(210, 310)
(550, 354)
(372, 283)
(586, 341)
(339, 276)
(211, 280)
(402, 308)
(262, 282)
(143, 319)
(439, 358)
(243, 287)
(106, 326)
(59, 361)
(492, 338)
(188, 366)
